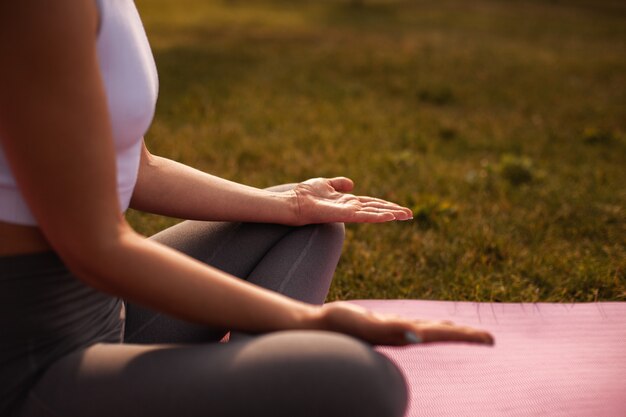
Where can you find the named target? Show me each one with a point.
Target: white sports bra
(131, 86)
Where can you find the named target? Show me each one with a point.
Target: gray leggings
(167, 367)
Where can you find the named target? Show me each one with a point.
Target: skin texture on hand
(392, 330)
(325, 200)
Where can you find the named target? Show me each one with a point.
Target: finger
(370, 216)
(366, 200)
(341, 184)
(400, 213)
(449, 333)
(376, 210)
(380, 204)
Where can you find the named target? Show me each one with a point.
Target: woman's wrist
(289, 206)
(311, 317)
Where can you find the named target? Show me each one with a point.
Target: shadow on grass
(362, 14)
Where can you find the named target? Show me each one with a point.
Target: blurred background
(501, 123)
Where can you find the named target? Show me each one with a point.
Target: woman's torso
(16, 240)
(45, 311)
(131, 86)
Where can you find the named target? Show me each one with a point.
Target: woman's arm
(173, 189)
(54, 129)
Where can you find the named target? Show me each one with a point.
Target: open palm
(325, 200)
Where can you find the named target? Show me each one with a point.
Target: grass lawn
(501, 123)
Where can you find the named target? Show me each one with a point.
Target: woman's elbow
(90, 254)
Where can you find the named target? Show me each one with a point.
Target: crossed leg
(169, 367)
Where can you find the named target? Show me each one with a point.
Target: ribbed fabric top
(131, 86)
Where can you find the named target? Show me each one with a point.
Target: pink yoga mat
(549, 360)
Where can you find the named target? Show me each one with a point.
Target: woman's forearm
(169, 188)
(156, 276)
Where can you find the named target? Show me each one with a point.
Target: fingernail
(412, 338)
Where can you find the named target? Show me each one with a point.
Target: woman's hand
(392, 330)
(324, 200)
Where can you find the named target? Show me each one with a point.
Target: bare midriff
(18, 240)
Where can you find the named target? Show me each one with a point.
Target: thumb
(341, 184)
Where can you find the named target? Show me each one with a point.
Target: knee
(375, 386)
(347, 376)
(331, 235)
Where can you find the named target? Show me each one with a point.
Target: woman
(77, 92)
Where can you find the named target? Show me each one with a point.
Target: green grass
(501, 123)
